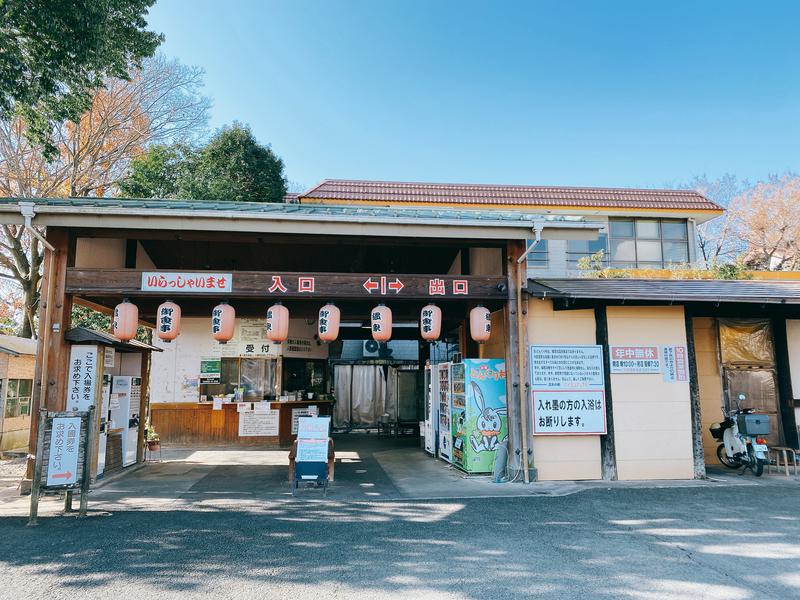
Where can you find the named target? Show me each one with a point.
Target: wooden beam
(278, 285)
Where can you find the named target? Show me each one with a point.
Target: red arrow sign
(66, 475)
(396, 285)
(370, 285)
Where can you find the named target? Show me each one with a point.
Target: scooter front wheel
(722, 455)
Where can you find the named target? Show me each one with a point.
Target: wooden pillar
(52, 352)
(608, 452)
(144, 405)
(785, 394)
(517, 386)
(694, 396)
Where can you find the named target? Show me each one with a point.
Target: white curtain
(368, 400)
(360, 396)
(342, 376)
(391, 394)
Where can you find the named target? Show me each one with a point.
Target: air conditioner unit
(371, 348)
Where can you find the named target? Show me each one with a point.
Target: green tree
(231, 166)
(158, 172)
(234, 166)
(55, 53)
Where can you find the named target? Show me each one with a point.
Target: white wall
(652, 418)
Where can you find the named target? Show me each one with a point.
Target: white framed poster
(259, 423)
(568, 390)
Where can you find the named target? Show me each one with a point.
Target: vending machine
(443, 400)
(478, 413)
(125, 413)
(105, 404)
(431, 414)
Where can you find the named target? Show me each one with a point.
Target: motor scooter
(741, 436)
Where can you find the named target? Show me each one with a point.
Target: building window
(18, 397)
(538, 257)
(648, 243)
(578, 249)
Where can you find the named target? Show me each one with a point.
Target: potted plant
(152, 438)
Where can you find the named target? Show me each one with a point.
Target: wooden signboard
(114, 282)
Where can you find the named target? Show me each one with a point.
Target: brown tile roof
(509, 195)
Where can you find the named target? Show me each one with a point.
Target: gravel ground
(11, 471)
(673, 543)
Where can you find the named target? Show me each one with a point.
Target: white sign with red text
(180, 282)
(635, 359)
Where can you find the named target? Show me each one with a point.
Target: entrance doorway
(747, 354)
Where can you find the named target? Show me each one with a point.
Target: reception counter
(198, 424)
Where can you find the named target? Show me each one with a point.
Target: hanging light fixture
(126, 320)
(168, 321)
(480, 324)
(223, 322)
(328, 323)
(430, 322)
(381, 321)
(277, 323)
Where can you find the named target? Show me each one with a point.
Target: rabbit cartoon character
(488, 423)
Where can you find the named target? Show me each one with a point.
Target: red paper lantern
(223, 322)
(328, 323)
(381, 319)
(278, 323)
(430, 322)
(480, 324)
(168, 321)
(126, 320)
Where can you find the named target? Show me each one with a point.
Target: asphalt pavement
(672, 542)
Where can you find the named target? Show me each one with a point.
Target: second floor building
(641, 229)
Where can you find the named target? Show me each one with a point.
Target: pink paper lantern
(223, 322)
(126, 320)
(168, 321)
(430, 322)
(480, 324)
(277, 323)
(381, 319)
(328, 323)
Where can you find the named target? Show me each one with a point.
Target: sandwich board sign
(63, 453)
(312, 439)
(62, 461)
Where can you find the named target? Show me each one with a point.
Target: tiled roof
(11, 344)
(508, 195)
(350, 213)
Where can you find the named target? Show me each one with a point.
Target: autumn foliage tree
(162, 102)
(767, 220)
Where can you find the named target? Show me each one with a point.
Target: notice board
(568, 390)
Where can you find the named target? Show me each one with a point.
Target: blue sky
(604, 93)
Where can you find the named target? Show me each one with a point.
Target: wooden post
(52, 353)
(518, 446)
(37, 467)
(144, 405)
(88, 444)
(694, 396)
(608, 452)
(785, 395)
